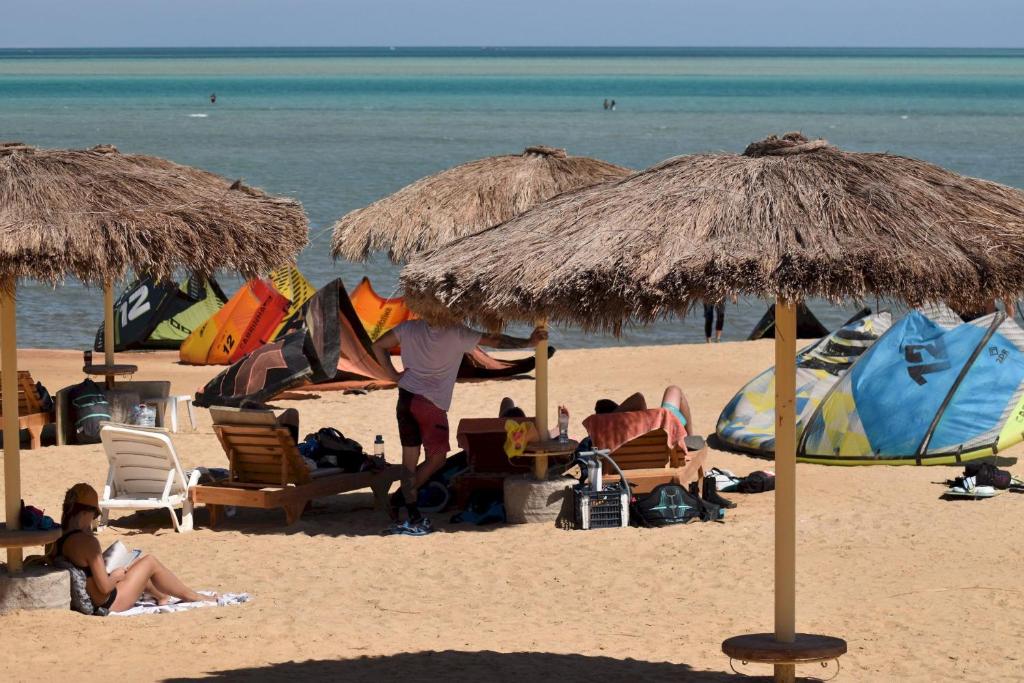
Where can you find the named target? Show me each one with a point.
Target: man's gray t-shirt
(431, 357)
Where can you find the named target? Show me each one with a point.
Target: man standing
(431, 356)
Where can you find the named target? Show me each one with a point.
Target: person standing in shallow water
(714, 315)
(431, 356)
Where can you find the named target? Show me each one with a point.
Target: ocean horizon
(339, 127)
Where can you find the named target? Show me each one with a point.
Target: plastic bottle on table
(378, 447)
(563, 425)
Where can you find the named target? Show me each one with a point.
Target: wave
(198, 116)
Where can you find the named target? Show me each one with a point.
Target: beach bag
(89, 408)
(80, 600)
(757, 482)
(670, 504)
(987, 474)
(435, 495)
(334, 449)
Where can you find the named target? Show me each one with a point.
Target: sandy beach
(922, 589)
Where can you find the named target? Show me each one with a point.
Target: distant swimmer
(606, 104)
(213, 98)
(612, 105)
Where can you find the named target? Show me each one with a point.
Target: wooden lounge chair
(31, 415)
(145, 474)
(267, 471)
(648, 461)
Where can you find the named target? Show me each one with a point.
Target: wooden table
(763, 648)
(110, 371)
(540, 451)
(26, 538)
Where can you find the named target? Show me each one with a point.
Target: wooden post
(108, 328)
(785, 481)
(12, 436)
(540, 463)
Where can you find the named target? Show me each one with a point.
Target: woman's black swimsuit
(86, 569)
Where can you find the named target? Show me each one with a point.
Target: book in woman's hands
(118, 556)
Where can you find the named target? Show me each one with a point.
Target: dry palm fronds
(789, 217)
(462, 200)
(95, 214)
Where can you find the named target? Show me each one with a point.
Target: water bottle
(563, 427)
(378, 447)
(143, 416)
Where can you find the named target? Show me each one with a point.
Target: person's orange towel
(612, 430)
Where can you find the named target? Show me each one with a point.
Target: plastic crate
(605, 509)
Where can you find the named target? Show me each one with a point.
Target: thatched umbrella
(788, 219)
(96, 214)
(462, 200)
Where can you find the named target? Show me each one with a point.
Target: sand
(922, 589)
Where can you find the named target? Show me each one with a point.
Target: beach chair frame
(648, 460)
(31, 415)
(266, 471)
(145, 473)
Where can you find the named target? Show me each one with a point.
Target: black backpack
(987, 474)
(672, 504)
(89, 407)
(337, 450)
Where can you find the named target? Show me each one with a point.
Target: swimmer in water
(213, 98)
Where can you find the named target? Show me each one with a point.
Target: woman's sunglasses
(82, 507)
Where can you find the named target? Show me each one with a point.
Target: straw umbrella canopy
(462, 200)
(789, 218)
(96, 214)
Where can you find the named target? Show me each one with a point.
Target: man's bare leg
(410, 457)
(432, 463)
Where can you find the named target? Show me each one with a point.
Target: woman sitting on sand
(118, 590)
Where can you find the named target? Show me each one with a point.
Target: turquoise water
(339, 128)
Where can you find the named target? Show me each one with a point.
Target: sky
(337, 23)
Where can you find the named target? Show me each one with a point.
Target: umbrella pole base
(763, 648)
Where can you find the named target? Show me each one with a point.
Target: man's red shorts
(421, 423)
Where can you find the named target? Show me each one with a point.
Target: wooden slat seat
(31, 415)
(267, 471)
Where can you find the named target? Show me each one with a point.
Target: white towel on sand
(147, 605)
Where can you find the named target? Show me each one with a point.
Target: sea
(338, 128)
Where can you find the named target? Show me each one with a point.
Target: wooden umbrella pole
(108, 323)
(785, 480)
(540, 463)
(12, 436)
(108, 328)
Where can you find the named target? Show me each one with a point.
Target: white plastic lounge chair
(145, 474)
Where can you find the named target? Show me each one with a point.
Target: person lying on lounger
(673, 400)
(121, 588)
